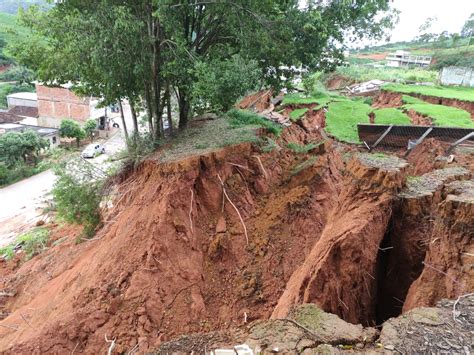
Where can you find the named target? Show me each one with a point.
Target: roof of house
(17, 127)
(8, 117)
(24, 96)
(25, 111)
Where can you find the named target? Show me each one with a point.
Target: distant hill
(11, 6)
(9, 32)
(446, 53)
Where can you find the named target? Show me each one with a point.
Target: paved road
(21, 204)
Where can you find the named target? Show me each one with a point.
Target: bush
(239, 118)
(90, 127)
(34, 242)
(72, 129)
(78, 201)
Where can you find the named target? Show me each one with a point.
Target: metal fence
(376, 135)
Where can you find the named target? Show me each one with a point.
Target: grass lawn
(206, 136)
(391, 116)
(295, 115)
(443, 116)
(451, 92)
(365, 73)
(342, 119)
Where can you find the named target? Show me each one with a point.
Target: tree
(20, 146)
(468, 28)
(71, 129)
(89, 128)
(144, 50)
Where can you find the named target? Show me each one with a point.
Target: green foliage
(448, 92)
(78, 201)
(391, 116)
(71, 129)
(140, 145)
(219, 83)
(7, 252)
(443, 116)
(295, 115)
(16, 147)
(301, 149)
(342, 119)
(19, 74)
(89, 127)
(460, 57)
(33, 242)
(365, 73)
(239, 118)
(7, 89)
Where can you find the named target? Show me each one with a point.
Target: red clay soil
(169, 260)
(259, 101)
(418, 119)
(425, 156)
(448, 271)
(338, 82)
(387, 99)
(373, 56)
(338, 274)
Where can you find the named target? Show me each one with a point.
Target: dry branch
(456, 302)
(241, 166)
(191, 211)
(23, 317)
(112, 345)
(236, 210)
(9, 326)
(261, 165)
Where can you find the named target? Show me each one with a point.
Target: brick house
(58, 103)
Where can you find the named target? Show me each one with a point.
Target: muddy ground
(220, 240)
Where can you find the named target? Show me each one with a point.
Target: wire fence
(391, 136)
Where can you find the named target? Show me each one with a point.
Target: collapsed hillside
(219, 240)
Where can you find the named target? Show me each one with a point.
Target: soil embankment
(220, 240)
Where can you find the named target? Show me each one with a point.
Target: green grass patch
(299, 99)
(32, 243)
(366, 73)
(295, 115)
(443, 116)
(407, 99)
(391, 116)
(301, 149)
(342, 119)
(240, 118)
(451, 92)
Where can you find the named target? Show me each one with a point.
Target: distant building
(50, 134)
(405, 59)
(22, 99)
(60, 102)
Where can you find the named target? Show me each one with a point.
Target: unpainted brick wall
(59, 103)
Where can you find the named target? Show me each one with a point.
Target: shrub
(239, 118)
(90, 127)
(78, 201)
(34, 242)
(71, 129)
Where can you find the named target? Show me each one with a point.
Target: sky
(451, 16)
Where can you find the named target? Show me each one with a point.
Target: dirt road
(20, 204)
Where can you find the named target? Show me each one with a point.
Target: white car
(93, 150)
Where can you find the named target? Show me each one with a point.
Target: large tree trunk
(149, 109)
(168, 111)
(122, 117)
(184, 107)
(134, 117)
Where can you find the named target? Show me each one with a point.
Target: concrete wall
(57, 103)
(457, 76)
(13, 101)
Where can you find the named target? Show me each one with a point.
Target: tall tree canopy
(145, 50)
